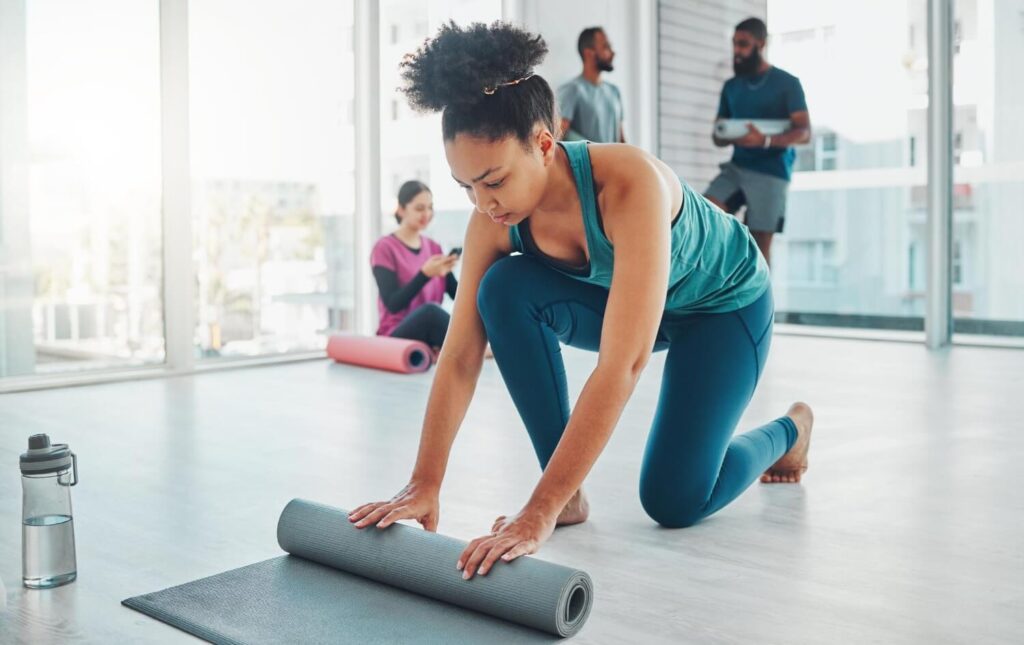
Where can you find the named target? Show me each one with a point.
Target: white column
(644, 104)
(514, 11)
(179, 270)
(939, 312)
(17, 348)
(367, 220)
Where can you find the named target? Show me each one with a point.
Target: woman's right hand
(439, 265)
(414, 502)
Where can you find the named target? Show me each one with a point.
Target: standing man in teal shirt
(591, 109)
(758, 174)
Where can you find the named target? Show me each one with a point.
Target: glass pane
(411, 146)
(271, 89)
(988, 231)
(853, 249)
(80, 224)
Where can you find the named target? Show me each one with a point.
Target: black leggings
(428, 323)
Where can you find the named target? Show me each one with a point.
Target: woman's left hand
(511, 537)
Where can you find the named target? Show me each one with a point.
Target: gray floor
(908, 527)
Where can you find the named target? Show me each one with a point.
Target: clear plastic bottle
(47, 527)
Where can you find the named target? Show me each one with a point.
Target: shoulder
(485, 235)
(619, 162)
(622, 171)
(730, 83)
(431, 244)
(387, 241)
(384, 249)
(784, 77)
(571, 86)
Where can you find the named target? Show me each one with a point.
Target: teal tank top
(715, 264)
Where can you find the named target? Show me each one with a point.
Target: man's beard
(604, 65)
(748, 65)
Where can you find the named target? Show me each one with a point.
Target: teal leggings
(693, 465)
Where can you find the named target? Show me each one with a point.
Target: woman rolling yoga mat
(380, 352)
(340, 584)
(611, 252)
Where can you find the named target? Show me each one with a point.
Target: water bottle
(47, 530)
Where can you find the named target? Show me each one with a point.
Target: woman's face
(503, 179)
(418, 213)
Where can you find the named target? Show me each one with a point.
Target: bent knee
(499, 286)
(672, 511)
(676, 519)
(434, 310)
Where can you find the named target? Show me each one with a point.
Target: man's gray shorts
(764, 196)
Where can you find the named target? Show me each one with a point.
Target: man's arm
(799, 118)
(798, 133)
(622, 115)
(566, 127)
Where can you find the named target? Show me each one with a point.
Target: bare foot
(576, 511)
(793, 464)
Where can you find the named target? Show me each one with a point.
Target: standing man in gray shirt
(591, 109)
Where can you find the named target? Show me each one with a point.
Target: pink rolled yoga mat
(380, 352)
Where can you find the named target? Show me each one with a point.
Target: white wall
(630, 27)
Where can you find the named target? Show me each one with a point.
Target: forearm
(793, 137)
(594, 418)
(394, 296)
(449, 399)
(632, 317)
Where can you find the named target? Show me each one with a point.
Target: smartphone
(457, 251)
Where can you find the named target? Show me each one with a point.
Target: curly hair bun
(454, 67)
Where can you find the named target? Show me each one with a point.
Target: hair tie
(494, 88)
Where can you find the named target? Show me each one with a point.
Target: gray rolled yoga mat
(342, 584)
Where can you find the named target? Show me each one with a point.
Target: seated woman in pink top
(413, 273)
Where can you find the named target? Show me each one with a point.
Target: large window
(853, 249)
(860, 185)
(80, 225)
(93, 95)
(988, 233)
(411, 146)
(271, 91)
